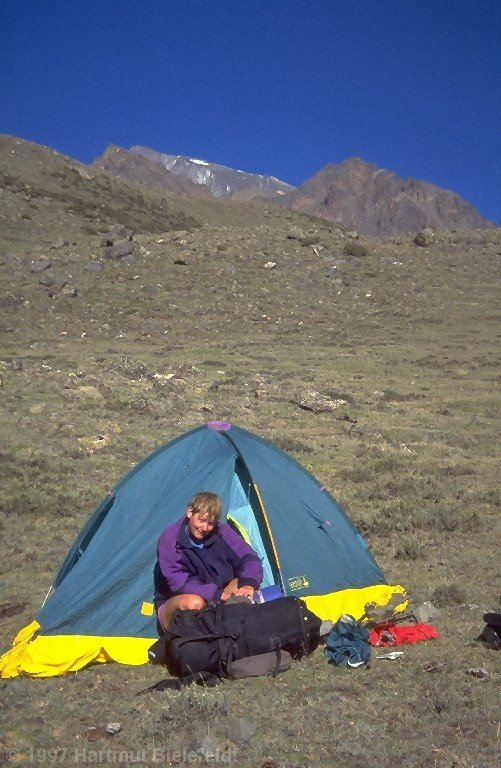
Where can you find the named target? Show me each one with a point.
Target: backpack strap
(178, 683)
(278, 653)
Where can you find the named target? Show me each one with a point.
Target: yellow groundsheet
(38, 655)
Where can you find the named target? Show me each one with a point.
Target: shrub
(449, 594)
(355, 249)
(410, 549)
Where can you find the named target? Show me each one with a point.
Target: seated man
(201, 559)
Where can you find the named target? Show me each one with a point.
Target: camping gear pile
(100, 606)
(236, 639)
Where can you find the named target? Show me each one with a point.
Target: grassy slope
(411, 456)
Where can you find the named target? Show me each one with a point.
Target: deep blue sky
(280, 87)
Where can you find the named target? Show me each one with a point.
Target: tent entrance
(242, 514)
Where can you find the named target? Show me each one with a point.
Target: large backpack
(207, 642)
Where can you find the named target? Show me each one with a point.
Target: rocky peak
(375, 201)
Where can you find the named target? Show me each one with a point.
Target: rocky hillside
(45, 195)
(377, 202)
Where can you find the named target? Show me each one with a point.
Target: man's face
(199, 526)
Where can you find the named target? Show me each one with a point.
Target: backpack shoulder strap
(177, 683)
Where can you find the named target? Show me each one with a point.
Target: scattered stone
(11, 301)
(123, 233)
(318, 402)
(180, 234)
(336, 698)
(425, 612)
(69, 290)
(59, 244)
(479, 672)
(41, 265)
(113, 728)
(353, 234)
(119, 251)
(46, 280)
(56, 288)
(465, 607)
(17, 364)
(435, 666)
(130, 259)
(93, 266)
(270, 265)
(240, 730)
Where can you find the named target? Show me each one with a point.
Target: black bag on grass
(210, 640)
(491, 633)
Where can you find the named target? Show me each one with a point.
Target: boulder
(421, 240)
(120, 250)
(56, 287)
(93, 266)
(41, 265)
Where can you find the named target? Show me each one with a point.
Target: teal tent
(100, 607)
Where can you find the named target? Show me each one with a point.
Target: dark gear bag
(210, 640)
(491, 633)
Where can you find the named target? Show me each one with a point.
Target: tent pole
(265, 516)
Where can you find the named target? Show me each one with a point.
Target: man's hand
(246, 592)
(231, 589)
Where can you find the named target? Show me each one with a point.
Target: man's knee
(191, 603)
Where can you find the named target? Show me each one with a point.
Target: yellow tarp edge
(51, 655)
(353, 601)
(37, 655)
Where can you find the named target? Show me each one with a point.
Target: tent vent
(219, 426)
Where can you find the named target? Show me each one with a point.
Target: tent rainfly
(100, 606)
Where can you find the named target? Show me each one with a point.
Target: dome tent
(100, 606)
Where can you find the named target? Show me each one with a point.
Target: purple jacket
(183, 568)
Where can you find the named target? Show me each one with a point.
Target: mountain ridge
(354, 193)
